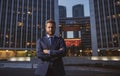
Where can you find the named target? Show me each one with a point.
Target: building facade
(77, 28)
(78, 11)
(105, 25)
(23, 21)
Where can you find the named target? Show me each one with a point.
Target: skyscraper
(22, 22)
(105, 24)
(62, 12)
(78, 11)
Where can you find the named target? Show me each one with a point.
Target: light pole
(98, 52)
(26, 54)
(80, 52)
(119, 51)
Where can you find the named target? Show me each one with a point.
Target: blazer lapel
(47, 42)
(54, 43)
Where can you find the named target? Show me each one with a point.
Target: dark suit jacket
(55, 56)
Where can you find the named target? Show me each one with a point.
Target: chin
(50, 33)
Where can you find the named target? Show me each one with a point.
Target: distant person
(50, 49)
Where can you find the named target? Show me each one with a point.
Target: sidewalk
(70, 71)
(67, 67)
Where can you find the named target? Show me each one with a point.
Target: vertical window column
(110, 22)
(1, 35)
(116, 23)
(27, 23)
(41, 26)
(21, 39)
(106, 36)
(101, 41)
(4, 42)
(16, 25)
(37, 18)
(11, 25)
(32, 23)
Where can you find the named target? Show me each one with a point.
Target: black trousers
(50, 72)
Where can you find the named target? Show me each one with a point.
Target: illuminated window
(20, 24)
(118, 15)
(6, 36)
(69, 34)
(18, 12)
(113, 16)
(118, 2)
(28, 43)
(29, 13)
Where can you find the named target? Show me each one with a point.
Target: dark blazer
(55, 56)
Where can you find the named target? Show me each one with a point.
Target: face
(50, 29)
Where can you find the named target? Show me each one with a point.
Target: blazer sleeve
(61, 52)
(39, 51)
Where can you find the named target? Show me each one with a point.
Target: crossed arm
(46, 54)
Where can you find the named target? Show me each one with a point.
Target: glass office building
(62, 11)
(22, 22)
(78, 11)
(105, 24)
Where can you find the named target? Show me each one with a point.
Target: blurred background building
(76, 30)
(78, 11)
(105, 26)
(62, 12)
(23, 21)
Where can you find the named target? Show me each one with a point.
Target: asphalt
(70, 71)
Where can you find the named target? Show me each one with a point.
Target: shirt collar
(50, 36)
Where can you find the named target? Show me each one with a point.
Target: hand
(46, 51)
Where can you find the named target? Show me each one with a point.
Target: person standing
(50, 50)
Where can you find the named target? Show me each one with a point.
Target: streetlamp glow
(6, 50)
(119, 50)
(98, 50)
(25, 50)
(80, 50)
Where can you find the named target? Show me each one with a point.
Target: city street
(82, 71)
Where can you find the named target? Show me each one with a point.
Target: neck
(49, 35)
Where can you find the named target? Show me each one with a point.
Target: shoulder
(60, 38)
(41, 39)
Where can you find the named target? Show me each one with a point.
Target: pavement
(70, 71)
(73, 67)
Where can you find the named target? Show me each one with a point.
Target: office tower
(62, 11)
(23, 21)
(78, 11)
(105, 25)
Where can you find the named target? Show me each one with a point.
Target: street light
(80, 53)
(7, 54)
(98, 52)
(80, 50)
(119, 51)
(26, 52)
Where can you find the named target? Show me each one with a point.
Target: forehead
(50, 25)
